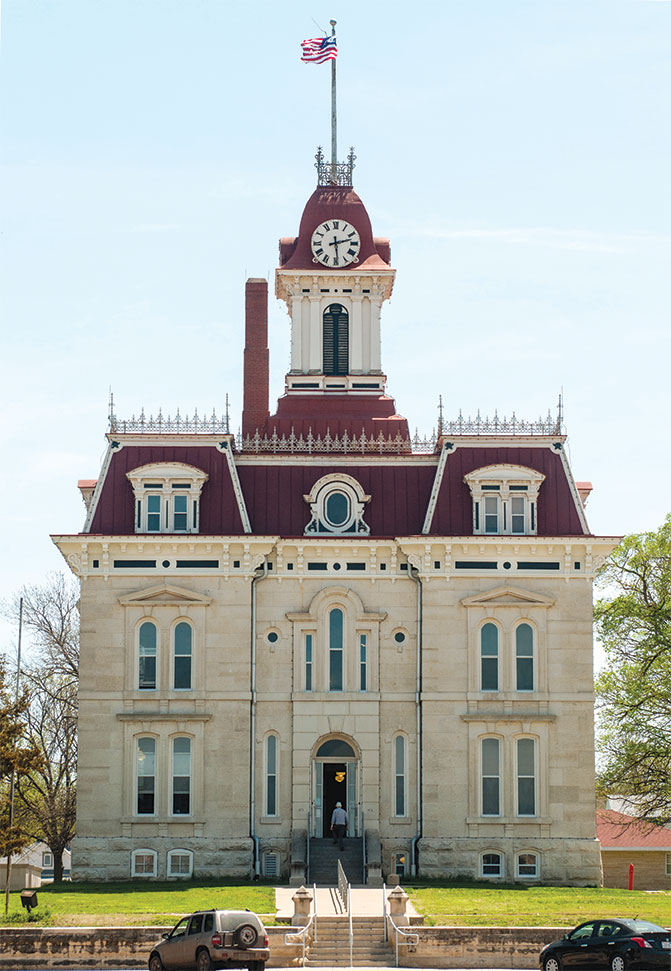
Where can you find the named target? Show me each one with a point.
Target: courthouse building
(327, 609)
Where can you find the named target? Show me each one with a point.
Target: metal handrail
(307, 849)
(351, 932)
(384, 911)
(314, 906)
(342, 885)
(403, 933)
(302, 934)
(363, 849)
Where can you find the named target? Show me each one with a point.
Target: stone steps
(331, 949)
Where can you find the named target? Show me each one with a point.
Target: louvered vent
(336, 340)
(271, 865)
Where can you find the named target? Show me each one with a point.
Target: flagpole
(334, 123)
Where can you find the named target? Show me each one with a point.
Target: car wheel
(155, 963)
(246, 936)
(617, 963)
(204, 961)
(551, 963)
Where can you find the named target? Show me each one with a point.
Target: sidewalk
(366, 902)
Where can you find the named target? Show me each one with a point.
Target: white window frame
(668, 864)
(363, 661)
(527, 876)
(152, 623)
(138, 739)
(505, 483)
(499, 669)
(143, 852)
(399, 775)
(271, 775)
(47, 859)
(400, 859)
(502, 868)
(519, 776)
(309, 666)
(180, 852)
(532, 656)
(173, 775)
(498, 776)
(317, 500)
(333, 649)
(167, 481)
(187, 623)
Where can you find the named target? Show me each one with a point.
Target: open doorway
(335, 790)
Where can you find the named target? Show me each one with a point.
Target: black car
(615, 944)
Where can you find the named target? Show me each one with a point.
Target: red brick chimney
(255, 381)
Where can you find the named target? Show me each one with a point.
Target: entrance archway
(334, 779)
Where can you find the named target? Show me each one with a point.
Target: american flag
(319, 49)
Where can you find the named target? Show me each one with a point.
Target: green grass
(473, 904)
(139, 903)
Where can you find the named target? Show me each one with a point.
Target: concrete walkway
(366, 902)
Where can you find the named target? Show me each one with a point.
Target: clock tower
(334, 277)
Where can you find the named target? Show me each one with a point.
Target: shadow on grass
(149, 886)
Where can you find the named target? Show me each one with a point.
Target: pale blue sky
(153, 152)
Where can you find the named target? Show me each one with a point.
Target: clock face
(335, 243)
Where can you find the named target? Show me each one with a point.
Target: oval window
(337, 508)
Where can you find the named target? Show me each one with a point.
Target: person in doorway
(338, 824)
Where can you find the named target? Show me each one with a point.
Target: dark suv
(211, 939)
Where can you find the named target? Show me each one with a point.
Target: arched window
(143, 863)
(271, 775)
(180, 863)
(183, 651)
(526, 777)
(336, 649)
(489, 657)
(181, 776)
(147, 656)
(399, 775)
(524, 657)
(146, 776)
(527, 865)
(335, 346)
(491, 777)
(335, 748)
(491, 865)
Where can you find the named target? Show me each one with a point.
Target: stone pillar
(398, 899)
(302, 906)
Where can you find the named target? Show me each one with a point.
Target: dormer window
(167, 497)
(337, 506)
(504, 499)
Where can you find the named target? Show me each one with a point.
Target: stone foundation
(572, 862)
(109, 858)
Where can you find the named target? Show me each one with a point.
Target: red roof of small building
(619, 831)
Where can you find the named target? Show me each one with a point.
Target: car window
(196, 924)
(180, 928)
(609, 929)
(587, 930)
(208, 923)
(644, 926)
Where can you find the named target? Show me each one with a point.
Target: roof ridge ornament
(334, 173)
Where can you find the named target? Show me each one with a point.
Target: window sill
(270, 820)
(400, 820)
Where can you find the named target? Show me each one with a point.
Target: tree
(16, 758)
(51, 613)
(634, 693)
(46, 796)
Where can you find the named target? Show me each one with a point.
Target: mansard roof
(273, 487)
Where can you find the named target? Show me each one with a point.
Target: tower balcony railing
(334, 173)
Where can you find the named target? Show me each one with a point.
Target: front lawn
(524, 906)
(141, 902)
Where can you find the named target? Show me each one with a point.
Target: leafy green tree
(17, 758)
(634, 693)
(46, 796)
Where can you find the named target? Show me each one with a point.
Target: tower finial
(440, 415)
